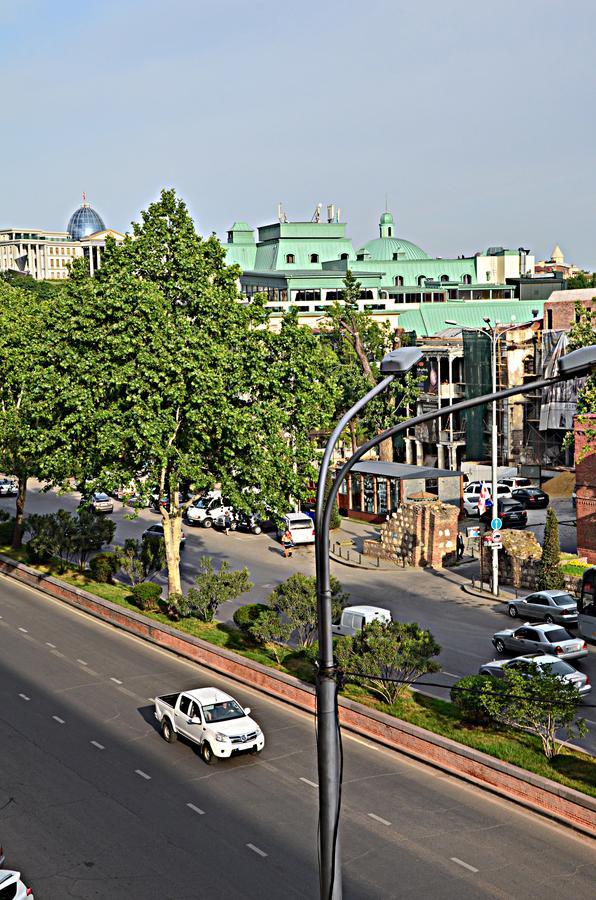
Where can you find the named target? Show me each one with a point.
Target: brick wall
(420, 533)
(559, 312)
(585, 481)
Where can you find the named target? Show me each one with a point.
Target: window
(356, 492)
(290, 258)
(194, 712)
(366, 295)
(369, 494)
(421, 280)
(399, 280)
(344, 256)
(466, 279)
(185, 705)
(314, 257)
(444, 278)
(308, 296)
(549, 319)
(390, 231)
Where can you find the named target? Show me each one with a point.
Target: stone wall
(518, 563)
(420, 533)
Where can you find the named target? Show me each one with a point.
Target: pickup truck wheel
(207, 523)
(207, 754)
(167, 732)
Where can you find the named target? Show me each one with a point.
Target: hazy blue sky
(476, 119)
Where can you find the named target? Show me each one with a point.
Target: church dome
(386, 219)
(83, 222)
(392, 248)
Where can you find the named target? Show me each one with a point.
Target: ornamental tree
(168, 380)
(550, 576)
(296, 600)
(214, 588)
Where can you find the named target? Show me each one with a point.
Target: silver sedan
(551, 639)
(498, 667)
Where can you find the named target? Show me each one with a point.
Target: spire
(557, 256)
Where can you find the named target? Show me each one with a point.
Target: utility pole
(494, 440)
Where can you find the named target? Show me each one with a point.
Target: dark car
(511, 513)
(531, 497)
(156, 531)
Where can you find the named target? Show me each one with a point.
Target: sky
(475, 120)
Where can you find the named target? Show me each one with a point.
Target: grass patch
(574, 770)
(574, 568)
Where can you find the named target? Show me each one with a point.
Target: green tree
(270, 629)
(335, 521)
(214, 588)
(582, 280)
(361, 342)
(140, 560)
(168, 380)
(27, 390)
(535, 700)
(550, 576)
(296, 601)
(582, 334)
(70, 537)
(396, 651)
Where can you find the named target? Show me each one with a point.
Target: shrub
(103, 567)
(550, 576)
(146, 595)
(176, 606)
(466, 695)
(246, 616)
(6, 531)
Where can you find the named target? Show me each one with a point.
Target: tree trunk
(386, 450)
(19, 521)
(172, 529)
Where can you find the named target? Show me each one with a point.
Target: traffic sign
(496, 524)
(496, 537)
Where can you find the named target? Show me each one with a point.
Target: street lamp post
(573, 365)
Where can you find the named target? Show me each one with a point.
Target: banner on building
(559, 402)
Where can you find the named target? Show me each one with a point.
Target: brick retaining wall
(540, 794)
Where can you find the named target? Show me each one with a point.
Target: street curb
(354, 565)
(548, 798)
(485, 595)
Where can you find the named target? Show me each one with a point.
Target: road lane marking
(451, 675)
(58, 719)
(201, 812)
(466, 865)
(57, 653)
(128, 693)
(115, 680)
(24, 630)
(312, 783)
(256, 850)
(143, 774)
(99, 746)
(379, 819)
(53, 646)
(82, 662)
(24, 697)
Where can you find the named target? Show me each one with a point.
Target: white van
(207, 509)
(300, 526)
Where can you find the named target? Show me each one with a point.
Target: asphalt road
(462, 624)
(94, 804)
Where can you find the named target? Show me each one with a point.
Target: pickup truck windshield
(221, 712)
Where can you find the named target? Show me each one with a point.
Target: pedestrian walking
(460, 545)
(287, 542)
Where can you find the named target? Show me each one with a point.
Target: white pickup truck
(355, 618)
(210, 718)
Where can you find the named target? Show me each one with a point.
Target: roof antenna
(84, 199)
(386, 210)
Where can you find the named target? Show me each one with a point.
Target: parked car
(472, 495)
(550, 606)
(12, 887)
(511, 513)
(238, 521)
(300, 526)
(550, 639)
(531, 497)
(156, 531)
(497, 668)
(514, 483)
(207, 509)
(212, 719)
(101, 503)
(9, 487)
(355, 618)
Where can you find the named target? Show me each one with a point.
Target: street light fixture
(579, 362)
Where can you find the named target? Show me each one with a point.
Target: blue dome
(83, 222)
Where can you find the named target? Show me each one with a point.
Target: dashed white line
(53, 646)
(312, 783)
(143, 774)
(24, 630)
(116, 680)
(466, 865)
(98, 745)
(451, 675)
(24, 697)
(82, 662)
(256, 850)
(58, 719)
(57, 653)
(379, 819)
(200, 812)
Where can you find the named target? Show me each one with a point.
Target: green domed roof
(386, 219)
(385, 247)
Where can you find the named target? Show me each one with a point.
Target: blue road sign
(496, 524)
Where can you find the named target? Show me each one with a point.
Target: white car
(514, 483)
(472, 495)
(207, 509)
(300, 526)
(8, 487)
(497, 667)
(212, 719)
(11, 886)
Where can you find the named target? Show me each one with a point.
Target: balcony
(451, 391)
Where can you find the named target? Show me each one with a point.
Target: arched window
(399, 280)
(389, 231)
(421, 280)
(444, 277)
(344, 256)
(314, 257)
(467, 279)
(290, 258)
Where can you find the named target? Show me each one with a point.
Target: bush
(6, 531)
(176, 606)
(246, 616)
(466, 696)
(103, 567)
(146, 595)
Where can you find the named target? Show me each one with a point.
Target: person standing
(460, 545)
(287, 542)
